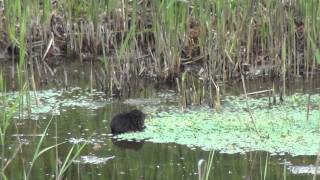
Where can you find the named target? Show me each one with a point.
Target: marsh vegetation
(229, 77)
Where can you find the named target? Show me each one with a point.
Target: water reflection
(134, 145)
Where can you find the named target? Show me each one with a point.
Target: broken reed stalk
(178, 84)
(65, 73)
(274, 93)
(91, 77)
(283, 58)
(248, 107)
(260, 92)
(217, 102)
(269, 98)
(185, 101)
(308, 106)
(201, 166)
(33, 83)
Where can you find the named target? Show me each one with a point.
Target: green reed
(6, 116)
(226, 33)
(19, 20)
(266, 167)
(276, 37)
(205, 167)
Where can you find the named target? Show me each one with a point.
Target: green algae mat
(289, 127)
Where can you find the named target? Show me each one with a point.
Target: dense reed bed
(207, 40)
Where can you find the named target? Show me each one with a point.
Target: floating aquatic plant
(282, 128)
(54, 101)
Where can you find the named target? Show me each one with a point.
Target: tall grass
(73, 153)
(7, 113)
(162, 38)
(21, 18)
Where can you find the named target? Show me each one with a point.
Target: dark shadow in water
(133, 145)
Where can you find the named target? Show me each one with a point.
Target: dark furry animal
(13, 50)
(126, 122)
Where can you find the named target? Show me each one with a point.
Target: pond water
(79, 115)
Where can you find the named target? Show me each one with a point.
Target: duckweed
(281, 128)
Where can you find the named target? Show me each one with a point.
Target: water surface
(87, 118)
